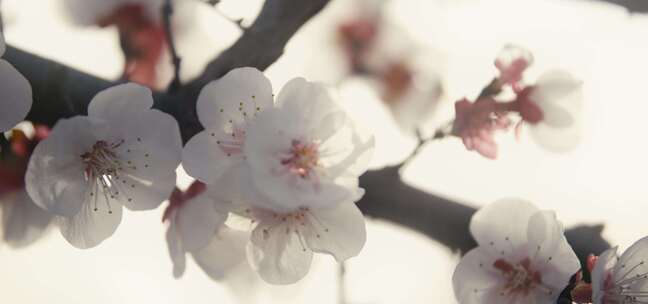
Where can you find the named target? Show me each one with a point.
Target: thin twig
(236, 21)
(167, 12)
(440, 133)
(493, 88)
(342, 297)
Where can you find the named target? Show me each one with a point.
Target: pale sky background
(604, 180)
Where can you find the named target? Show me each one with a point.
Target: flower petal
(22, 221)
(242, 90)
(268, 140)
(502, 225)
(605, 263)
(553, 256)
(115, 102)
(305, 106)
(557, 87)
(55, 177)
(16, 96)
(225, 251)
(176, 250)
(557, 139)
(89, 228)
(633, 263)
(474, 279)
(151, 143)
(3, 45)
(339, 231)
(205, 160)
(137, 194)
(197, 222)
(278, 254)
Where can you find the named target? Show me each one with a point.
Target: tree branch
(633, 6)
(264, 41)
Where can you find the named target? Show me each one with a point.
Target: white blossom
(22, 221)
(16, 91)
(559, 97)
(621, 279)
(306, 152)
(292, 168)
(282, 243)
(522, 257)
(225, 108)
(122, 154)
(196, 227)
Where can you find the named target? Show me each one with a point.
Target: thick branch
(264, 41)
(633, 6)
(442, 219)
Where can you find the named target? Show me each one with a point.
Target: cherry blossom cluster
(523, 257)
(550, 107)
(289, 164)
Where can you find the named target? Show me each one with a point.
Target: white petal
(3, 44)
(16, 96)
(137, 194)
(22, 221)
(556, 139)
(197, 222)
(550, 251)
(502, 225)
(176, 250)
(633, 263)
(558, 87)
(205, 160)
(305, 105)
(338, 231)
(55, 176)
(357, 162)
(242, 90)
(115, 102)
(84, 12)
(89, 228)
(225, 251)
(474, 278)
(151, 143)
(560, 96)
(278, 254)
(605, 263)
(556, 116)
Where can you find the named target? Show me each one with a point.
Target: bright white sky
(602, 181)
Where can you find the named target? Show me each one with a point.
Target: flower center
(521, 278)
(302, 158)
(102, 168)
(302, 222)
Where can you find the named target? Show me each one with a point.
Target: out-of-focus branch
(263, 42)
(444, 220)
(167, 13)
(633, 6)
